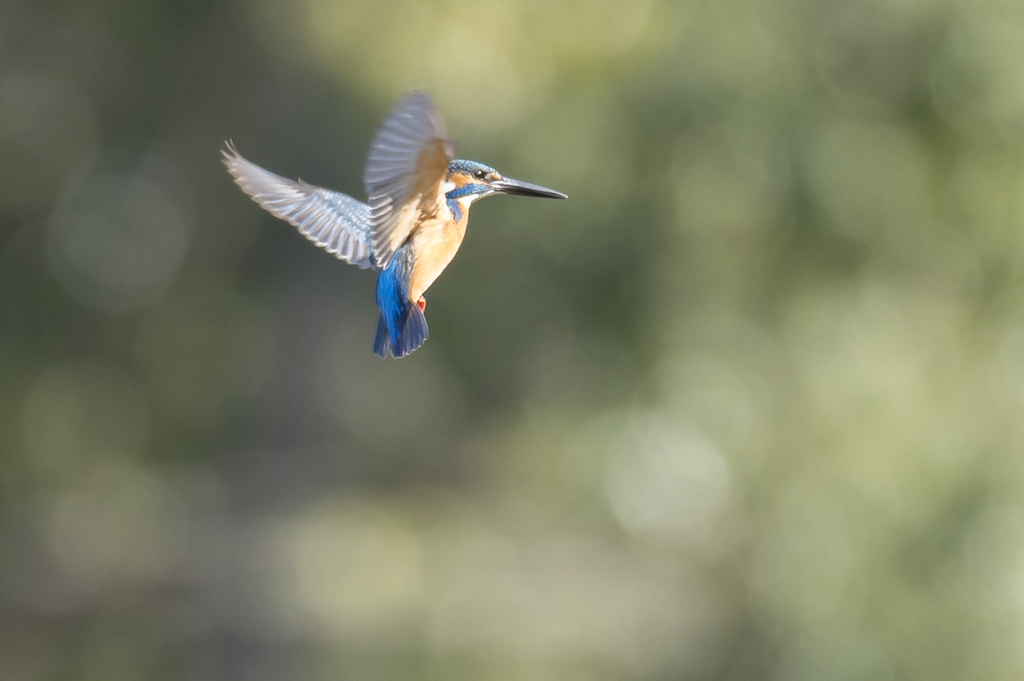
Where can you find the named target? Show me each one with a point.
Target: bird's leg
(422, 302)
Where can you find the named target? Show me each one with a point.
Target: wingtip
(234, 163)
(229, 153)
(418, 93)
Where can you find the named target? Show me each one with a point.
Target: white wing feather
(407, 162)
(336, 222)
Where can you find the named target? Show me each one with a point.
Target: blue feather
(414, 332)
(461, 165)
(455, 208)
(467, 190)
(402, 327)
(381, 340)
(391, 298)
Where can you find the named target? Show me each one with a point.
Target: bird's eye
(480, 174)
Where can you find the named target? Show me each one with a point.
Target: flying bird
(419, 196)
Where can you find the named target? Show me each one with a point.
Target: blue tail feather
(402, 327)
(413, 334)
(381, 341)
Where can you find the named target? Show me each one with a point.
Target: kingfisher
(419, 196)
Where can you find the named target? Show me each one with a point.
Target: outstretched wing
(407, 163)
(333, 221)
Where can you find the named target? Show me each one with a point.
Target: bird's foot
(422, 302)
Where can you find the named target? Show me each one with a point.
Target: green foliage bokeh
(749, 405)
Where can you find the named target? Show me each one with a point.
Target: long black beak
(509, 186)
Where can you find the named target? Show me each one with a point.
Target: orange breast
(435, 243)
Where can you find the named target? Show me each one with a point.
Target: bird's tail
(381, 341)
(411, 332)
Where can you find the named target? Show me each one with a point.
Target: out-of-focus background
(749, 405)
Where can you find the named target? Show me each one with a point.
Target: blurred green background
(749, 405)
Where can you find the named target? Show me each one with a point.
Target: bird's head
(469, 180)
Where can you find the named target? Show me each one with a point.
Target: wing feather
(407, 163)
(336, 222)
